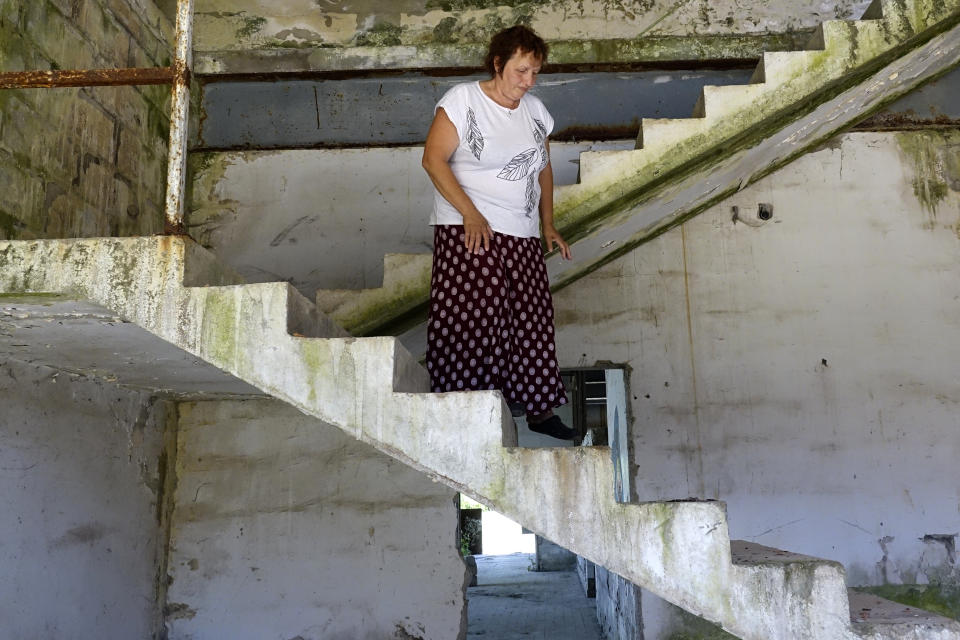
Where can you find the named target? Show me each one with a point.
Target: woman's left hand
(554, 240)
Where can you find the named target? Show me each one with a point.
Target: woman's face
(519, 74)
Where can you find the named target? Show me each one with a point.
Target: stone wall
(801, 369)
(618, 607)
(285, 527)
(81, 487)
(82, 162)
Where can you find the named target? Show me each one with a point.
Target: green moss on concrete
(219, 327)
(9, 226)
(940, 599)
(291, 44)
(463, 5)
(445, 31)
(158, 122)
(316, 357)
(934, 160)
(28, 297)
(249, 26)
(123, 268)
(205, 171)
(382, 34)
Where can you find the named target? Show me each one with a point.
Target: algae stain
(935, 157)
(938, 598)
(10, 226)
(251, 25)
(382, 34)
(219, 327)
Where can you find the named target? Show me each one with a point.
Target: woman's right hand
(442, 141)
(476, 232)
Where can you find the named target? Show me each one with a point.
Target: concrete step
(406, 287)
(374, 390)
(875, 618)
(721, 101)
(905, 19)
(871, 616)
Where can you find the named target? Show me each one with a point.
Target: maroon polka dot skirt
(491, 320)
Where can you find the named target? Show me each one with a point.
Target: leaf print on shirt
(519, 166)
(540, 135)
(474, 136)
(532, 194)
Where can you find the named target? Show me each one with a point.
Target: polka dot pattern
(491, 320)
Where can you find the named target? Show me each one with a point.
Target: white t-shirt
(501, 154)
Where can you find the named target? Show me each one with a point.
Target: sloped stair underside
(273, 339)
(739, 134)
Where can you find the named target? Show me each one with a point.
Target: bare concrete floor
(511, 603)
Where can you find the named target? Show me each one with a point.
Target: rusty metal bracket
(179, 119)
(85, 78)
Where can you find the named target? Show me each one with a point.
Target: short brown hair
(509, 41)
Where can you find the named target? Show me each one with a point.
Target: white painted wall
(803, 370)
(287, 528)
(79, 536)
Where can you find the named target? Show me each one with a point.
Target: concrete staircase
(272, 338)
(738, 133)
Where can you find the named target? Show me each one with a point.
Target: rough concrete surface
(88, 340)
(81, 477)
(286, 527)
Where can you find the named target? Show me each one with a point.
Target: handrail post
(179, 118)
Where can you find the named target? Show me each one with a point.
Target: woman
(491, 314)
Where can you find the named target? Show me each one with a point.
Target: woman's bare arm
(442, 141)
(550, 234)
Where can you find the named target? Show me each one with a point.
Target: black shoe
(517, 409)
(553, 427)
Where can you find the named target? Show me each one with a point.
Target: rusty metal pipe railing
(179, 119)
(85, 78)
